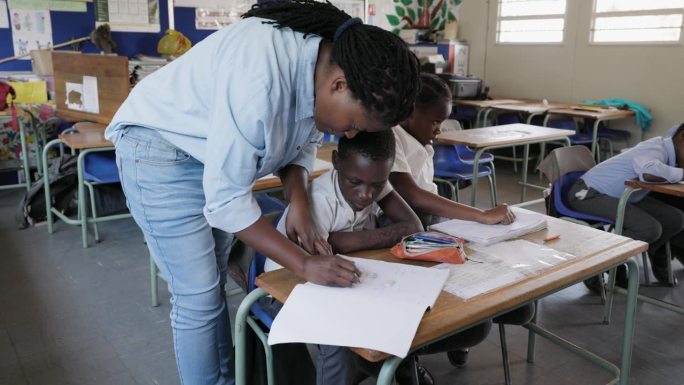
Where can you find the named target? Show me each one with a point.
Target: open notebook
(525, 222)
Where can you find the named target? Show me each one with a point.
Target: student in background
(647, 219)
(247, 101)
(412, 176)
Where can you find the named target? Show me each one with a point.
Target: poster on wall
(52, 5)
(128, 15)
(31, 29)
(4, 20)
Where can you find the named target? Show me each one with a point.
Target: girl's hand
(299, 225)
(331, 270)
(500, 214)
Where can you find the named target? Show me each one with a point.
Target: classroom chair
(464, 114)
(609, 136)
(568, 123)
(449, 167)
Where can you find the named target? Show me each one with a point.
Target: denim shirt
(241, 102)
(655, 156)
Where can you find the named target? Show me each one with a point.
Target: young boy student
(597, 192)
(412, 175)
(343, 201)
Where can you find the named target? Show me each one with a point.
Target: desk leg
(386, 375)
(476, 170)
(619, 222)
(24, 155)
(526, 158)
(241, 335)
(485, 116)
(630, 313)
(48, 201)
(81, 199)
(594, 142)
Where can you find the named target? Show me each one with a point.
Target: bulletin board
(70, 25)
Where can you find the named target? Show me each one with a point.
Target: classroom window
(637, 21)
(530, 21)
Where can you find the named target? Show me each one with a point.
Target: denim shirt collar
(306, 69)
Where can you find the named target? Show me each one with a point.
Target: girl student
(247, 101)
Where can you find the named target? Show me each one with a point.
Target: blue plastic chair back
(569, 124)
(560, 190)
(448, 164)
(100, 167)
(509, 118)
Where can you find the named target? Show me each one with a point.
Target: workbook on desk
(382, 312)
(525, 222)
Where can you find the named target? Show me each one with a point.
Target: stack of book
(429, 241)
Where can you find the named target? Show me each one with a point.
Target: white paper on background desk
(525, 222)
(91, 101)
(380, 313)
(491, 267)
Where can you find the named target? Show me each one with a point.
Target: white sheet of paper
(381, 313)
(4, 19)
(491, 267)
(525, 222)
(91, 102)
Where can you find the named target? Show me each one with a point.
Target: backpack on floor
(61, 174)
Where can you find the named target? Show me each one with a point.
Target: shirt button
(299, 148)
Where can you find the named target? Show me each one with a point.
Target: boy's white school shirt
(331, 212)
(414, 158)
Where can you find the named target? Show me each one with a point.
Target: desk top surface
(595, 250)
(675, 189)
(92, 138)
(324, 153)
(502, 135)
(603, 115)
(487, 103)
(530, 108)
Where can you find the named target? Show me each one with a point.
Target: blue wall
(71, 25)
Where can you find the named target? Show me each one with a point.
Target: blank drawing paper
(380, 313)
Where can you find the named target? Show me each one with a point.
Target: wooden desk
(87, 141)
(632, 186)
(596, 251)
(598, 116)
(484, 106)
(531, 109)
(507, 135)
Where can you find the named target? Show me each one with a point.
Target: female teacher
(247, 101)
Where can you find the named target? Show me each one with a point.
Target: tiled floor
(70, 315)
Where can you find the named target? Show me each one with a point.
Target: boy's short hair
(679, 130)
(374, 145)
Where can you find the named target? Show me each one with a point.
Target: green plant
(425, 14)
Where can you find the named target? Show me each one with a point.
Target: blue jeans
(163, 187)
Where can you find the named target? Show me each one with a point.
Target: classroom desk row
(87, 138)
(596, 251)
(534, 108)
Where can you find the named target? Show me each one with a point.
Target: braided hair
(380, 70)
(433, 90)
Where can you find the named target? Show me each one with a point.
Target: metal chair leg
(492, 190)
(504, 354)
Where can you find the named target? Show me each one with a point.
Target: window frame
(642, 12)
(499, 18)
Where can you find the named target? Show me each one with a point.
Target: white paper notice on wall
(4, 20)
(83, 96)
(31, 30)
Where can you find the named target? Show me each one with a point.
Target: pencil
(551, 238)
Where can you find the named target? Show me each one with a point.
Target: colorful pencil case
(430, 246)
